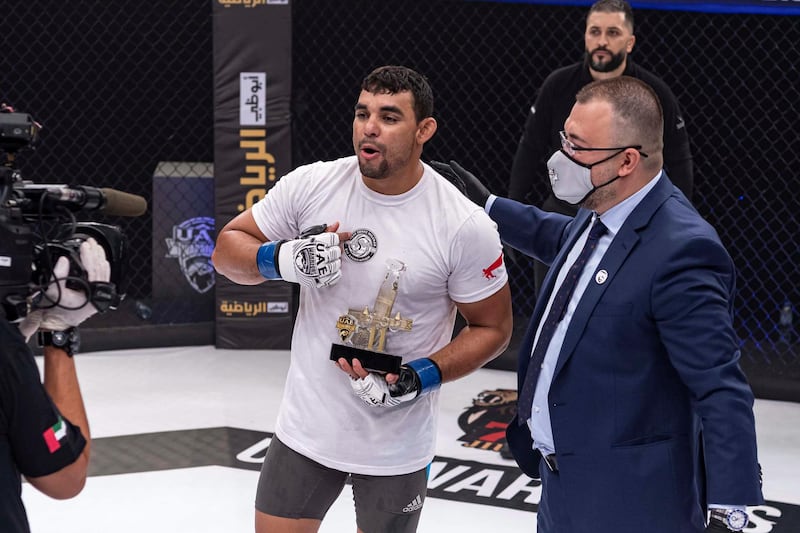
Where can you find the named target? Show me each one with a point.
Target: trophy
(363, 331)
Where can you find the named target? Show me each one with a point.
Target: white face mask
(571, 180)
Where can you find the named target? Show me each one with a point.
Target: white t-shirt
(451, 251)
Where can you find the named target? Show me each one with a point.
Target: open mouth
(369, 150)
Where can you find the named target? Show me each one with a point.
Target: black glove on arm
(450, 175)
(464, 180)
(419, 376)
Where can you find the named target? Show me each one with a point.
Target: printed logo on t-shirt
(362, 245)
(488, 273)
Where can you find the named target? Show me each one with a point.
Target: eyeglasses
(570, 148)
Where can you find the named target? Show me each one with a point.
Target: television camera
(38, 225)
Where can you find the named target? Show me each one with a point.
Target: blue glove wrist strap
(267, 259)
(430, 377)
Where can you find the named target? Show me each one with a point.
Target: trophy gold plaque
(363, 331)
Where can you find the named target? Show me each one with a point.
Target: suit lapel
(621, 246)
(582, 219)
(618, 252)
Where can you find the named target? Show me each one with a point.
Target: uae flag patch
(54, 435)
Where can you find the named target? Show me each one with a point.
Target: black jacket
(35, 440)
(552, 107)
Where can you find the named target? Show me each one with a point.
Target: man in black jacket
(608, 40)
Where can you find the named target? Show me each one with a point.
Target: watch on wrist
(68, 340)
(734, 519)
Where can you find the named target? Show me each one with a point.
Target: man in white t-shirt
(412, 251)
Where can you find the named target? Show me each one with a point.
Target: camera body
(38, 225)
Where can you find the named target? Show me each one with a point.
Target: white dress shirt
(539, 423)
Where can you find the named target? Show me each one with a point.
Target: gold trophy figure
(364, 330)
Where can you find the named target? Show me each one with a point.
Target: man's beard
(607, 66)
(600, 195)
(370, 170)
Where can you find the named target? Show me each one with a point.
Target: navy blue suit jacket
(651, 413)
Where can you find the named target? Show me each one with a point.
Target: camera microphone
(122, 204)
(81, 198)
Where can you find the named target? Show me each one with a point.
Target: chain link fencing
(123, 86)
(119, 88)
(735, 76)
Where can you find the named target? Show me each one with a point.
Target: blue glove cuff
(430, 377)
(267, 259)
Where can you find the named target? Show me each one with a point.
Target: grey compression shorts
(293, 486)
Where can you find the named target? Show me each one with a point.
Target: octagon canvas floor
(179, 434)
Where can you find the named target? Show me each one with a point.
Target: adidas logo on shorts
(414, 505)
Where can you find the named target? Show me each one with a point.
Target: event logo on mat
(450, 478)
(484, 422)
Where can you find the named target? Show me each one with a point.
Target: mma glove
(60, 307)
(313, 261)
(464, 180)
(418, 377)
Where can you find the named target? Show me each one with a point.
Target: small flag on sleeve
(54, 435)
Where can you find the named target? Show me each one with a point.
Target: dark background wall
(736, 77)
(122, 85)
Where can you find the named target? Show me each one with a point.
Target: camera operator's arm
(61, 383)
(64, 309)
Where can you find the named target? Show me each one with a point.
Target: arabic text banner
(252, 148)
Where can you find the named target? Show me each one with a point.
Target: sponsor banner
(261, 318)
(183, 239)
(766, 7)
(450, 478)
(252, 97)
(252, 148)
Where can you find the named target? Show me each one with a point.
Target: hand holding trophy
(364, 334)
(363, 331)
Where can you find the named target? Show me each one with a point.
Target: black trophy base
(372, 361)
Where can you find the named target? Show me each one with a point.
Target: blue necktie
(553, 318)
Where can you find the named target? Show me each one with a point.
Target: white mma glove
(313, 261)
(61, 308)
(374, 390)
(416, 378)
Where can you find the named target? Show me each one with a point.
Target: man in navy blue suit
(633, 410)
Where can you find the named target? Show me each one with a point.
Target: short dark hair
(638, 116)
(613, 6)
(393, 79)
